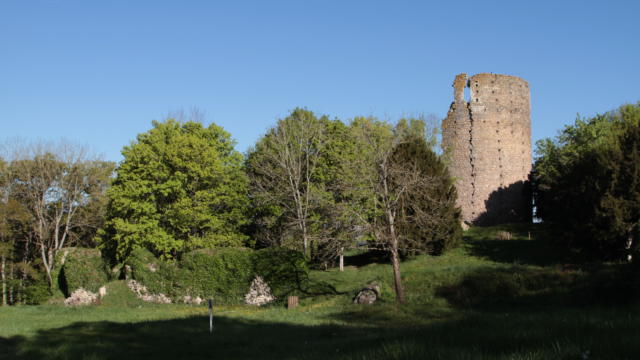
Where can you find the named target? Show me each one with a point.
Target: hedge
(80, 268)
(224, 274)
(160, 277)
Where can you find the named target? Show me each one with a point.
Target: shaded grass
(488, 299)
(606, 333)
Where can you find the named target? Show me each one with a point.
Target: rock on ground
(259, 293)
(143, 294)
(368, 295)
(81, 297)
(187, 299)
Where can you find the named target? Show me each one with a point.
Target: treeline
(311, 184)
(586, 184)
(51, 196)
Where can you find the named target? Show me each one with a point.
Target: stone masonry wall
(488, 139)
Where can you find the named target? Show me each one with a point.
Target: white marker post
(210, 316)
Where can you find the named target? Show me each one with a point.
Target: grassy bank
(489, 299)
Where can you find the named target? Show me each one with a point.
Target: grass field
(488, 299)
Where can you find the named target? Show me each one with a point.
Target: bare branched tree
(54, 182)
(193, 114)
(395, 188)
(282, 166)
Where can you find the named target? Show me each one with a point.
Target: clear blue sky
(98, 72)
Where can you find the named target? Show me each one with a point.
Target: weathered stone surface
(81, 297)
(488, 139)
(144, 294)
(102, 292)
(368, 295)
(188, 299)
(259, 293)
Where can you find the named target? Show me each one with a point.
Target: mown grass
(487, 299)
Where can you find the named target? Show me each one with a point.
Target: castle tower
(488, 139)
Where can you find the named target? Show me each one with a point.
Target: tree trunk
(395, 263)
(23, 279)
(46, 261)
(307, 254)
(4, 282)
(11, 302)
(395, 259)
(341, 259)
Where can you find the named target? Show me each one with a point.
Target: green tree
(53, 183)
(615, 226)
(181, 186)
(402, 192)
(583, 183)
(293, 170)
(17, 250)
(428, 219)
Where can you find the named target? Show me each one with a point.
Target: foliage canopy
(180, 187)
(294, 171)
(586, 183)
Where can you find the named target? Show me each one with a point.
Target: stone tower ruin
(488, 140)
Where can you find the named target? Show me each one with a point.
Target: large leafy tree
(293, 171)
(618, 208)
(181, 186)
(585, 183)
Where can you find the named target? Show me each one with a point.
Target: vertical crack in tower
(472, 179)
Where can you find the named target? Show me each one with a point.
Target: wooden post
(342, 259)
(210, 316)
(529, 234)
(292, 302)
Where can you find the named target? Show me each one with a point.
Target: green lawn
(488, 299)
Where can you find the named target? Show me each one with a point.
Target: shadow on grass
(318, 288)
(530, 244)
(368, 257)
(559, 334)
(549, 287)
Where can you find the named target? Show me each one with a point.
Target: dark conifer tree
(429, 220)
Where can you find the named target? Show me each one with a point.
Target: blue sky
(98, 72)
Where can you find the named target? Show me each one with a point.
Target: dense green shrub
(285, 270)
(37, 291)
(223, 274)
(157, 275)
(586, 184)
(81, 268)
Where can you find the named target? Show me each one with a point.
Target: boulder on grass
(368, 295)
(81, 297)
